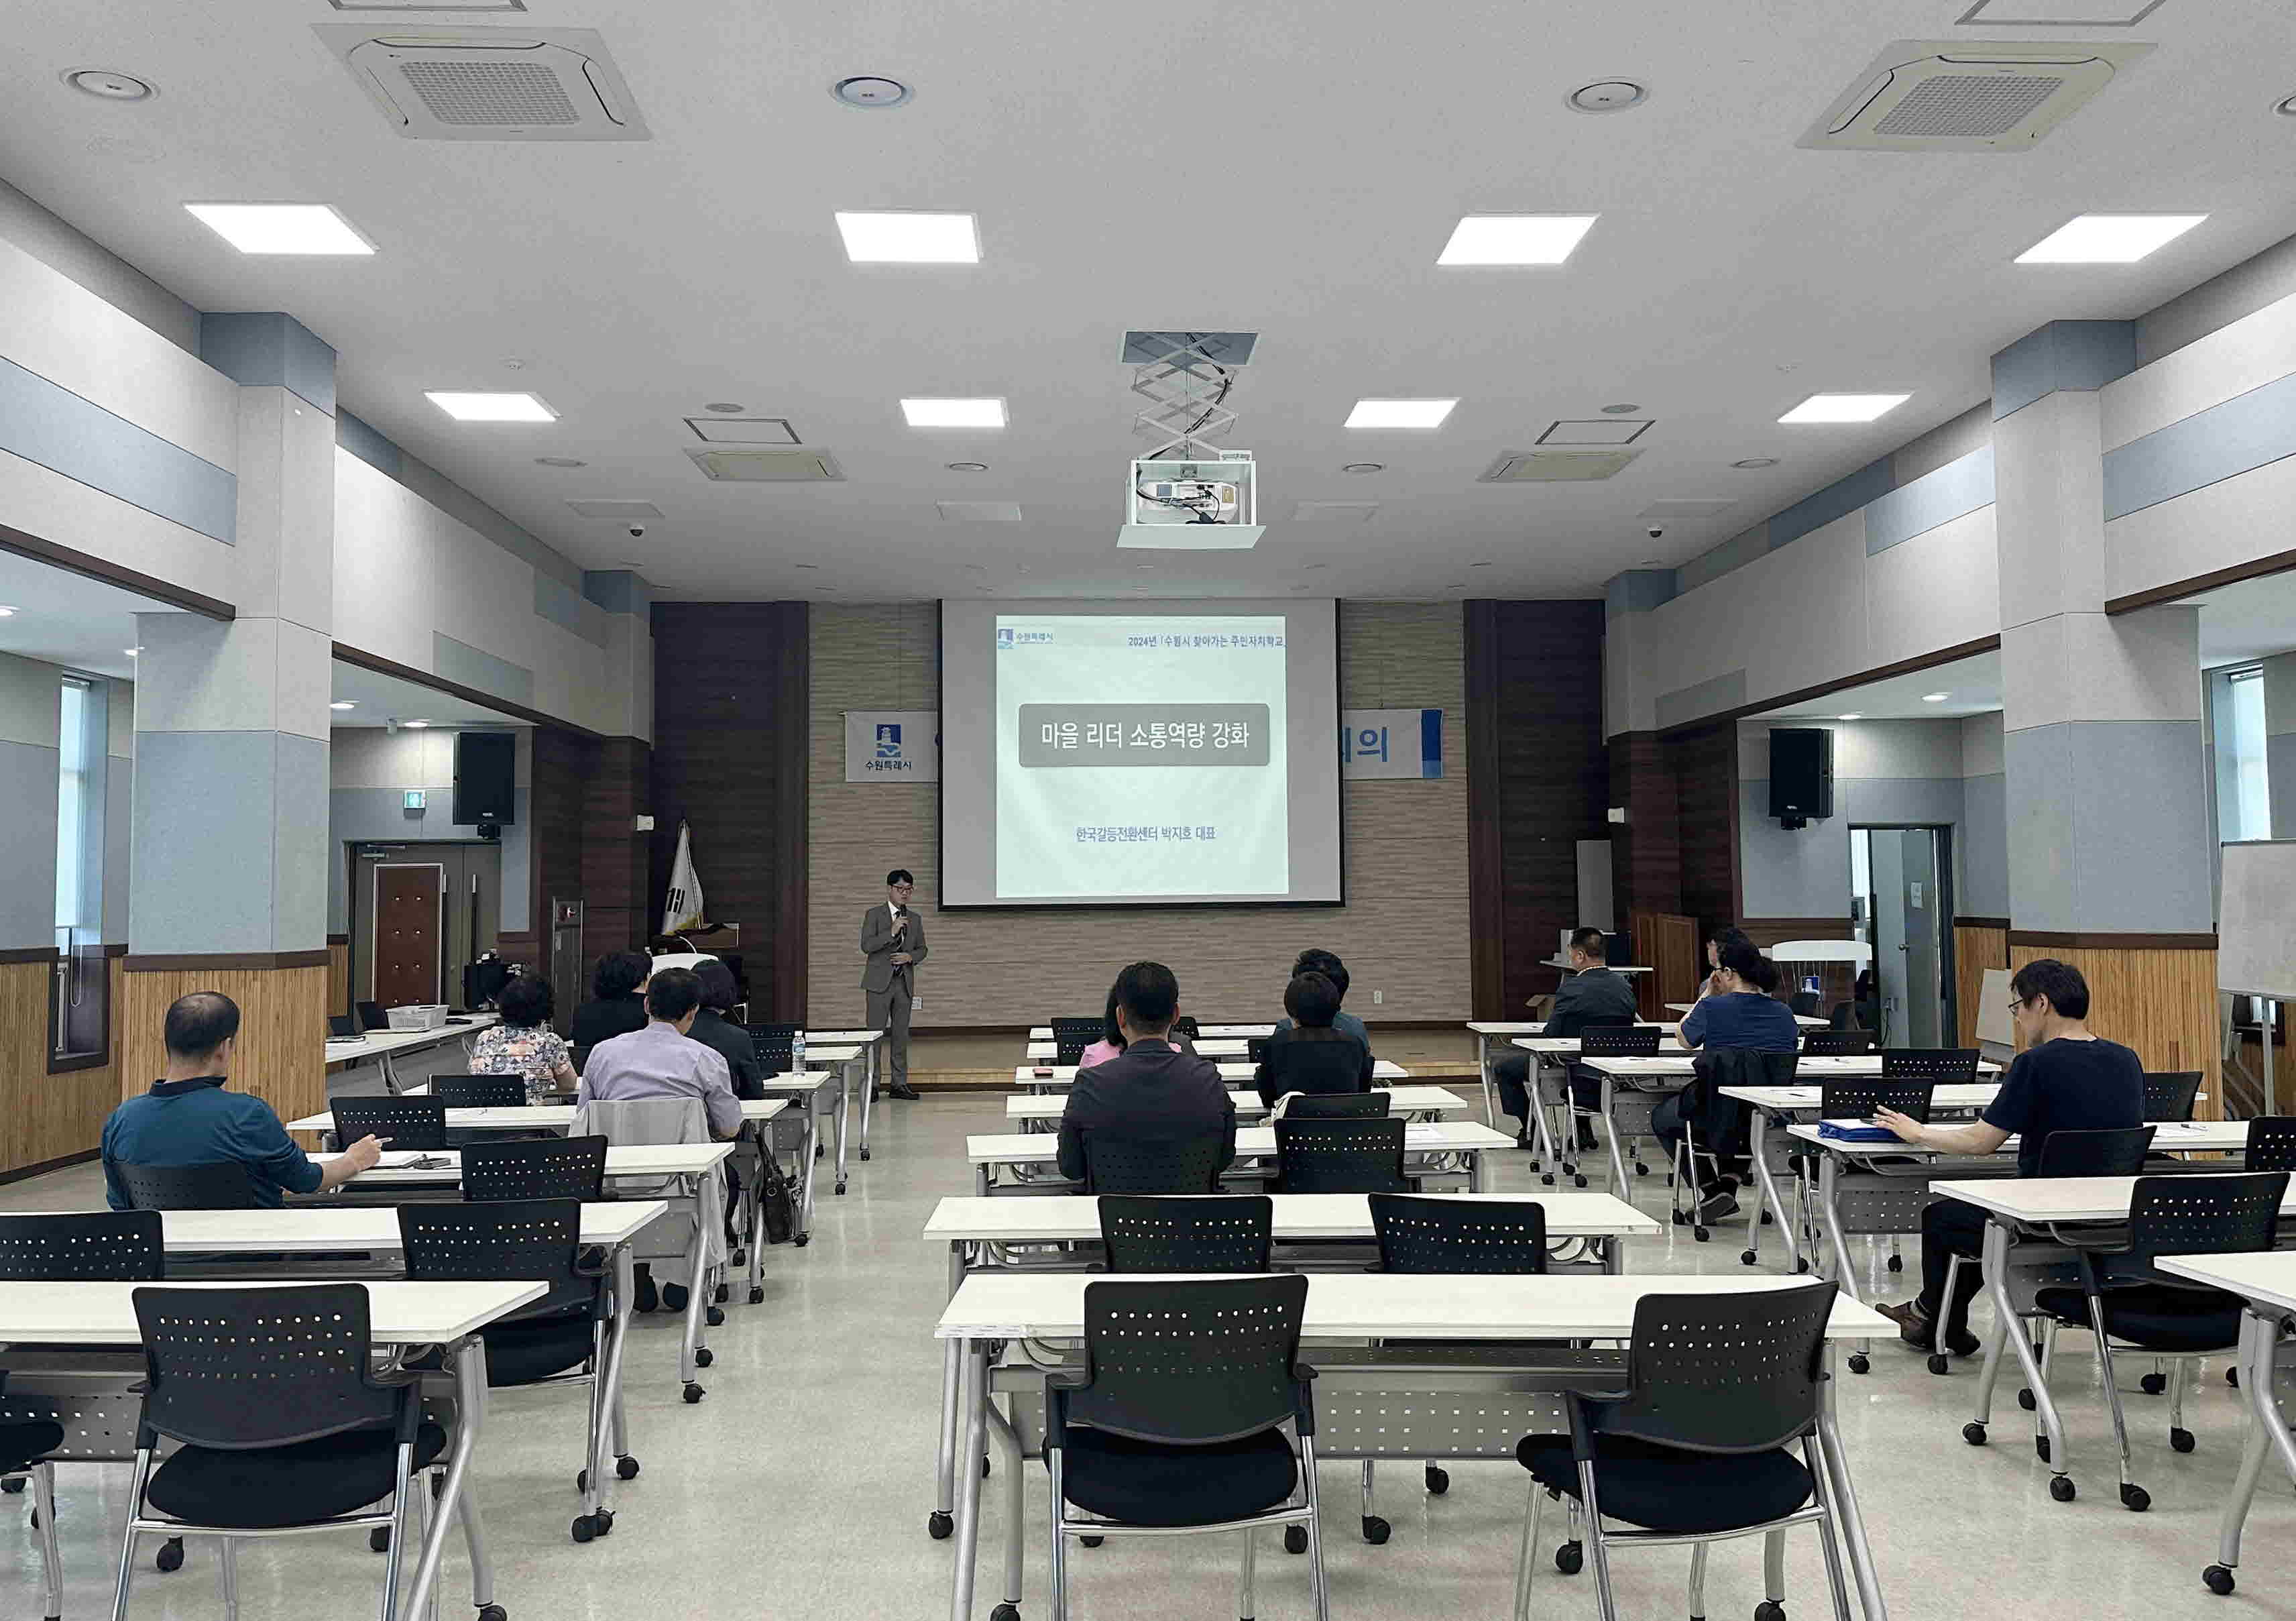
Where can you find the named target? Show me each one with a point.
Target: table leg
(469, 1412)
(981, 1179)
(1836, 1464)
(1997, 1290)
(2253, 1448)
(1547, 1159)
(1483, 1068)
(844, 1119)
(945, 1465)
(1610, 1135)
(1829, 1210)
(2256, 1380)
(973, 1402)
(390, 1076)
(1479, 1171)
(614, 1430)
(810, 1152)
(1772, 1199)
(697, 1282)
(868, 1093)
(1016, 1504)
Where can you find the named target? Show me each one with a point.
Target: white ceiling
(382, 699)
(1290, 168)
(1971, 686)
(2251, 620)
(62, 618)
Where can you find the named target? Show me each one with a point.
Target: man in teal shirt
(188, 1118)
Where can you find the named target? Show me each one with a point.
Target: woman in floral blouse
(524, 1044)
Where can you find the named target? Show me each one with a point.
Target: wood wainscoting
(45, 1118)
(1978, 943)
(339, 974)
(281, 1056)
(2160, 1000)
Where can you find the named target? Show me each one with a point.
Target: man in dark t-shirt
(2067, 1079)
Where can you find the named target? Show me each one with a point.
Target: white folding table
(1027, 1154)
(1209, 1047)
(1802, 1019)
(1059, 1077)
(384, 1046)
(836, 1048)
(993, 1309)
(1215, 1032)
(1411, 1102)
(407, 1316)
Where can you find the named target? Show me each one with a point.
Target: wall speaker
(1801, 774)
(486, 778)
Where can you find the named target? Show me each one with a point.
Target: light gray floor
(799, 1488)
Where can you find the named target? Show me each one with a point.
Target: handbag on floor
(776, 1201)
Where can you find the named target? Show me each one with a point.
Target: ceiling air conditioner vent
(1558, 466)
(766, 466)
(1935, 95)
(480, 84)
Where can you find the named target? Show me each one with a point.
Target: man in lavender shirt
(660, 1062)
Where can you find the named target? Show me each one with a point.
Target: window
(79, 1020)
(2243, 782)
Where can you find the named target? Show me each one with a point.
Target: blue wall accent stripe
(1704, 698)
(1959, 487)
(2238, 436)
(562, 605)
(618, 590)
(1430, 743)
(2061, 355)
(1838, 499)
(1637, 591)
(368, 444)
(45, 423)
(267, 349)
(471, 666)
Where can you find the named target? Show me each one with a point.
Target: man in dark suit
(1151, 1089)
(893, 940)
(1592, 994)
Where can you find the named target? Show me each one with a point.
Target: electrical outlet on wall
(1377, 998)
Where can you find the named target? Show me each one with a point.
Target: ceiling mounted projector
(1192, 503)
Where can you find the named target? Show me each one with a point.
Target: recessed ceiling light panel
(1514, 239)
(1844, 407)
(954, 412)
(342, 703)
(910, 239)
(281, 227)
(1399, 413)
(1935, 697)
(466, 407)
(2108, 238)
(1852, 715)
(6, 612)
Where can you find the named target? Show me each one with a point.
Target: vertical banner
(892, 746)
(1391, 743)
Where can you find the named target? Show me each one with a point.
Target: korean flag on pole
(681, 909)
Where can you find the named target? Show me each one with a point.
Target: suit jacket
(1313, 1061)
(1596, 994)
(1150, 1090)
(878, 944)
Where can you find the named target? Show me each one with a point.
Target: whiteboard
(2256, 941)
(1995, 1023)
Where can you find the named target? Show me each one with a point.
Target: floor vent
(791, 466)
(482, 84)
(1558, 466)
(1934, 95)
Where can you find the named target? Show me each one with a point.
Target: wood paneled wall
(45, 1118)
(614, 881)
(1978, 944)
(2161, 1000)
(1706, 799)
(281, 1056)
(730, 757)
(1672, 946)
(1678, 850)
(1646, 848)
(339, 974)
(1404, 929)
(1538, 780)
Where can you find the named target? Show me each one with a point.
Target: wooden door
(409, 932)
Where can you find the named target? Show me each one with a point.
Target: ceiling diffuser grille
(1961, 95)
(767, 466)
(489, 84)
(1967, 104)
(490, 93)
(1558, 466)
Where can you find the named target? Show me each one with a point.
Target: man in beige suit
(893, 940)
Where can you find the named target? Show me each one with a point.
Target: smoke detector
(489, 84)
(1966, 95)
(1558, 466)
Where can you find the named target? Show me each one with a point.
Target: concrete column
(2280, 741)
(228, 875)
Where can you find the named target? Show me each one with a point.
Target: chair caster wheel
(1974, 1433)
(1005, 1612)
(740, 1257)
(1897, 1263)
(802, 1239)
(1438, 1479)
(1092, 1542)
(984, 1474)
(1578, 1181)
(2135, 1499)
(1859, 1363)
(840, 1190)
(494, 1612)
(1680, 1219)
(378, 1541)
(1939, 1363)
(1570, 1559)
(704, 1356)
(2219, 1579)
(13, 1487)
(1769, 1610)
(2060, 1487)
(2231, 1377)
(819, 1152)
(756, 1294)
(585, 1528)
(695, 1393)
(2153, 1383)
(170, 1556)
(2180, 1440)
(1747, 1257)
(1376, 1530)
(2025, 1398)
(2041, 1448)
(1700, 1234)
(939, 1526)
(1548, 1180)
(581, 1480)
(1641, 1169)
(715, 1316)
(725, 1291)
(1295, 1539)
(1768, 1220)
(626, 1468)
(865, 1154)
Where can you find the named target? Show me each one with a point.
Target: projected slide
(1138, 753)
(1137, 756)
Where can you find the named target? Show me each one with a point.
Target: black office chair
(1255, 1050)
(783, 1034)
(1937, 1065)
(1805, 1004)
(1836, 1043)
(1696, 1444)
(1127, 1163)
(221, 1184)
(2170, 1095)
(776, 1055)
(1611, 1037)
(479, 1091)
(25, 1444)
(2122, 1297)
(2271, 1143)
(1338, 1105)
(1856, 1096)
(1187, 1025)
(2108, 1153)
(1176, 1421)
(419, 1123)
(283, 1426)
(1229, 1233)
(559, 1339)
(1340, 1157)
(1719, 1125)
(538, 1168)
(1070, 1037)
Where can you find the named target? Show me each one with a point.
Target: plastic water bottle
(797, 1050)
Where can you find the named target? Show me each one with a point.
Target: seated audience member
(1313, 960)
(720, 1035)
(1153, 1089)
(1743, 1011)
(2067, 1079)
(1593, 993)
(659, 1062)
(1111, 1040)
(1309, 1053)
(616, 1004)
(188, 1118)
(1718, 942)
(524, 1044)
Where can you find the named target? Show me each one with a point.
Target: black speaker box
(486, 778)
(1802, 773)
